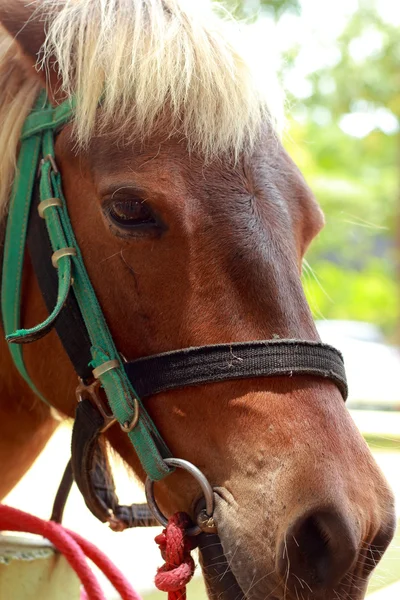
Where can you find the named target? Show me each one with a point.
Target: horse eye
(131, 213)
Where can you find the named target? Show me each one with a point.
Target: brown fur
(226, 268)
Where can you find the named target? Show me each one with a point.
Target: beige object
(31, 569)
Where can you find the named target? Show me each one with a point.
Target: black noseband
(223, 362)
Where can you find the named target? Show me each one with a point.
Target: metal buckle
(52, 162)
(91, 392)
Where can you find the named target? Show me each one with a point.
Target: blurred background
(339, 64)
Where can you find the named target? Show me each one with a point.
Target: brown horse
(193, 223)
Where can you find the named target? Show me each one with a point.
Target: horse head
(193, 222)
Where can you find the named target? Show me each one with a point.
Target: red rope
(75, 549)
(175, 548)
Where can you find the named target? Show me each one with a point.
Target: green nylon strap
(64, 266)
(145, 437)
(21, 336)
(14, 246)
(45, 117)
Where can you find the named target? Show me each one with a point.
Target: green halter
(37, 153)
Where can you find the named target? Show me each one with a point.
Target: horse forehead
(170, 162)
(267, 179)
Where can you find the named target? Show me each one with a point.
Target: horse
(192, 222)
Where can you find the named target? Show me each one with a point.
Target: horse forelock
(151, 64)
(18, 92)
(148, 58)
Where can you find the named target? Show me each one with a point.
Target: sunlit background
(339, 64)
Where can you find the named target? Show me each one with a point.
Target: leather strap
(224, 362)
(93, 476)
(37, 141)
(62, 494)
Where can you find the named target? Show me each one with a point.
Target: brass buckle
(91, 392)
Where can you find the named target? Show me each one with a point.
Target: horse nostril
(318, 550)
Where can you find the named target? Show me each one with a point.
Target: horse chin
(221, 584)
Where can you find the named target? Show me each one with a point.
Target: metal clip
(116, 524)
(91, 392)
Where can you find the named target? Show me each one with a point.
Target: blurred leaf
(356, 179)
(252, 8)
(337, 293)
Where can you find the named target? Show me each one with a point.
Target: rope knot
(175, 548)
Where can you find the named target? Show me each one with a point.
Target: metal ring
(200, 478)
(105, 367)
(60, 253)
(45, 204)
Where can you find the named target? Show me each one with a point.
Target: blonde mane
(17, 94)
(149, 62)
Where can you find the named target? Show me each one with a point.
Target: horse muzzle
(319, 553)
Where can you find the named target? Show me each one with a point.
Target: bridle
(111, 389)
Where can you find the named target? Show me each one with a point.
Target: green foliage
(339, 293)
(367, 73)
(252, 8)
(352, 259)
(356, 180)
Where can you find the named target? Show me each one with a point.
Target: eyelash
(138, 205)
(149, 223)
